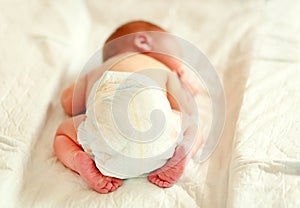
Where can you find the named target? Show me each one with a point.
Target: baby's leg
(167, 175)
(70, 153)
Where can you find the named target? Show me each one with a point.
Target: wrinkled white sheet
(255, 48)
(265, 165)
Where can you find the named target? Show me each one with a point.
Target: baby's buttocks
(130, 128)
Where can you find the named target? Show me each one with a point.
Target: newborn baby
(103, 145)
(121, 108)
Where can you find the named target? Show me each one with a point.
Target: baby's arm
(74, 97)
(185, 103)
(180, 100)
(70, 153)
(74, 106)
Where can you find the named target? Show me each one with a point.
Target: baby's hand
(190, 80)
(85, 166)
(170, 173)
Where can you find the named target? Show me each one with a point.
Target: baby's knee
(67, 129)
(62, 129)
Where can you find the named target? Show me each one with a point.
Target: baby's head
(133, 27)
(143, 42)
(144, 39)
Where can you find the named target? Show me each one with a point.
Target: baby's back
(142, 64)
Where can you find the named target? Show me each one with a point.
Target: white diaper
(130, 128)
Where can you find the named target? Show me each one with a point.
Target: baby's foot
(85, 166)
(167, 175)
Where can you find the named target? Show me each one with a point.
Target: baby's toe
(160, 180)
(151, 178)
(115, 185)
(102, 191)
(113, 188)
(156, 181)
(166, 184)
(104, 187)
(159, 183)
(108, 186)
(117, 182)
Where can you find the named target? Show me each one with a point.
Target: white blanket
(255, 48)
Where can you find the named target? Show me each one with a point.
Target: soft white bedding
(265, 165)
(255, 48)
